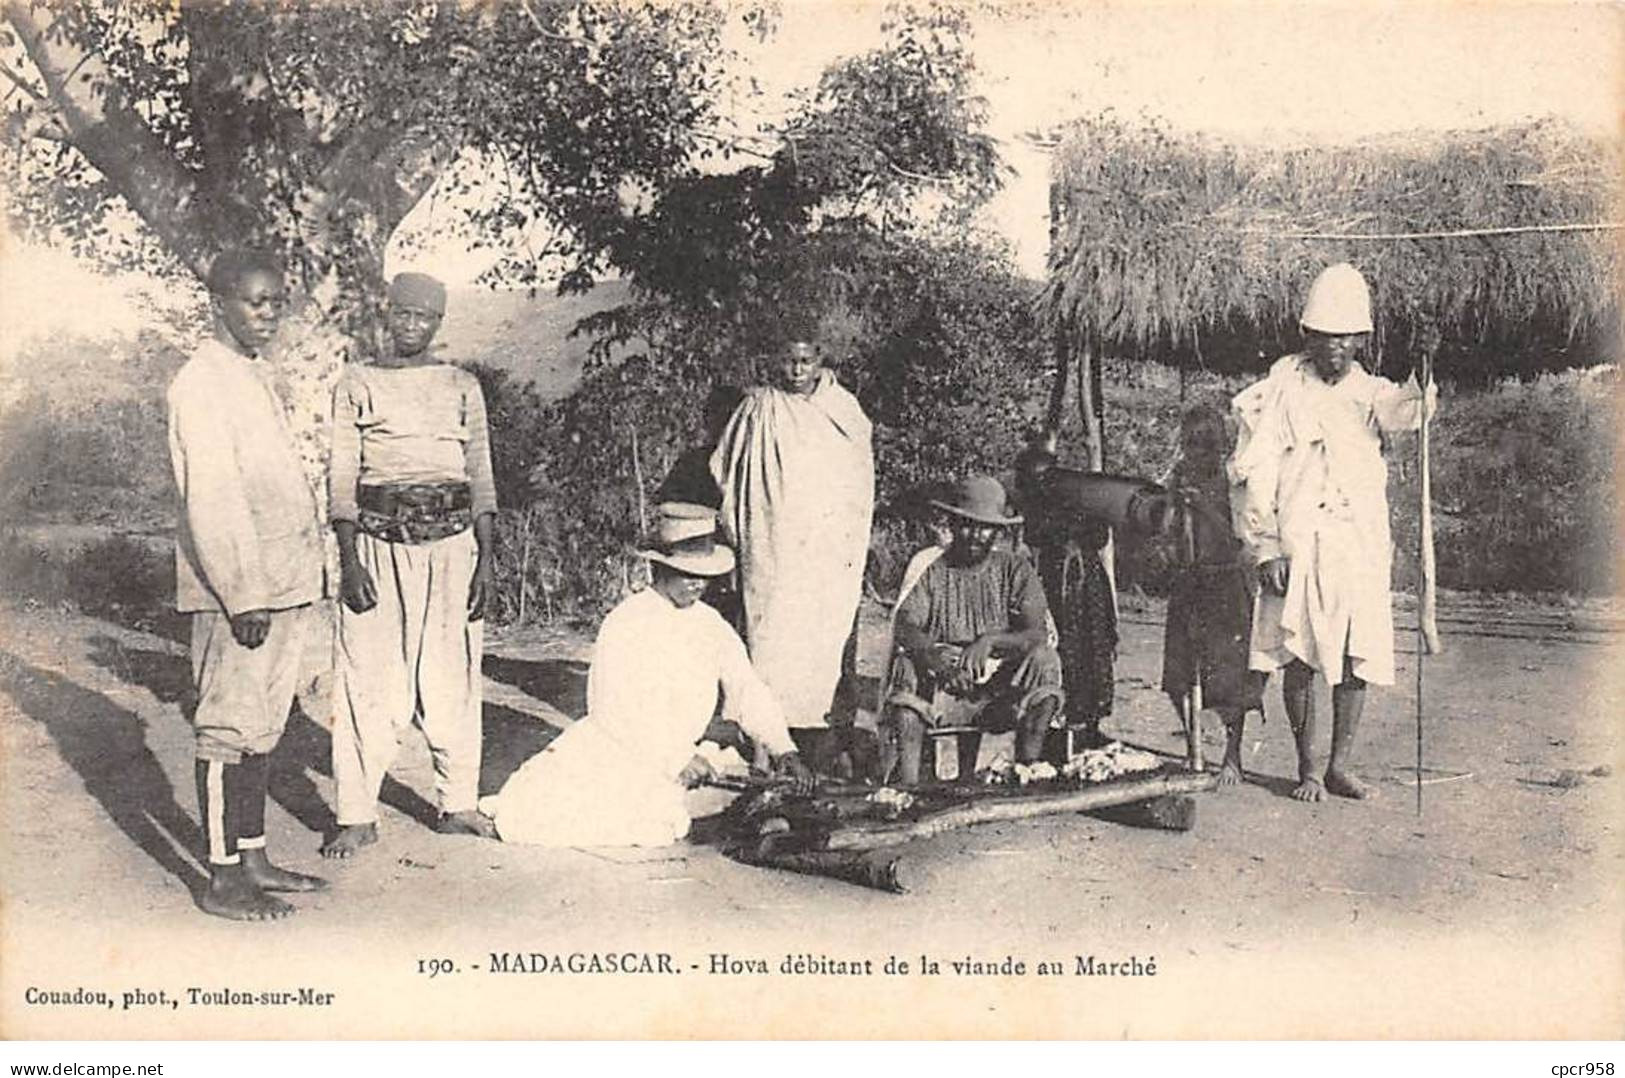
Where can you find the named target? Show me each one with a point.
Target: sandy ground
(1495, 913)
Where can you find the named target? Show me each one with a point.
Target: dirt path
(1451, 922)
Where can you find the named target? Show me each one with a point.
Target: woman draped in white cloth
(797, 478)
(617, 777)
(1311, 508)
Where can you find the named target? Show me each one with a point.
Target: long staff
(1427, 626)
(1193, 693)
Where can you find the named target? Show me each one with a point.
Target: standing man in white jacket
(1311, 508)
(248, 567)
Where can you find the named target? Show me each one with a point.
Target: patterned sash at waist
(414, 513)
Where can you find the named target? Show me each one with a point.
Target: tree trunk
(1094, 441)
(111, 136)
(1089, 408)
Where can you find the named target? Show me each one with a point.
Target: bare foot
(469, 822)
(268, 877)
(1345, 785)
(1309, 790)
(348, 840)
(1230, 774)
(235, 897)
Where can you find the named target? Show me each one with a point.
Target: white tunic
(798, 485)
(249, 535)
(612, 778)
(1312, 486)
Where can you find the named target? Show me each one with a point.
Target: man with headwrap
(412, 503)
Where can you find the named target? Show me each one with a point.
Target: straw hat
(684, 537)
(1339, 302)
(979, 498)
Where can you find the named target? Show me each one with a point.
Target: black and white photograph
(831, 520)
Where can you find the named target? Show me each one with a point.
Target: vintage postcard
(905, 609)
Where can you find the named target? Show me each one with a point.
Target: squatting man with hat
(618, 776)
(248, 567)
(412, 502)
(1311, 509)
(973, 637)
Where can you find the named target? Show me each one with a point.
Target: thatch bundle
(1162, 244)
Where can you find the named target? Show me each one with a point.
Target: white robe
(612, 778)
(1311, 485)
(797, 478)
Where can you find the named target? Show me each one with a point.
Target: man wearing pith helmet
(1311, 509)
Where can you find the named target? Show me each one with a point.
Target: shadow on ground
(305, 750)
(166, 676)
(511, 738)
(106, 746)
(559, 682)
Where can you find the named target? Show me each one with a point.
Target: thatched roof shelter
(1505, 241)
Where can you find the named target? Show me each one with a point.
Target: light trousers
(244, 694)
(414, 657)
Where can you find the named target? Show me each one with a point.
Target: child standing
(1210, 607)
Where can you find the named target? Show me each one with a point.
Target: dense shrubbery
(568, 484)
(1524, 491)
(125, 580)
(82, 432)
(940, 346)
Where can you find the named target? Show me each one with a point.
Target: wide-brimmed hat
(980, 498)
(684, 536)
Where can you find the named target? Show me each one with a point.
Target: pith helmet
(1339, 302)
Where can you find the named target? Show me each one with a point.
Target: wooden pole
(1088, 408)
(1063, 379)
(1427, 627)
(1193, 695)
(1063, 337)
(524, 563)
(1427, 599)
(878, 869)
(1442, 234)
(637, 480)
(1094, 442)
(1102, 795)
